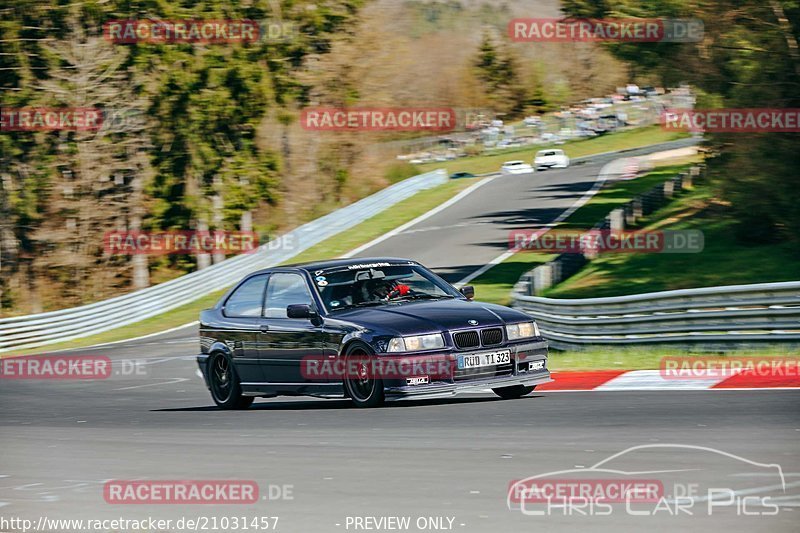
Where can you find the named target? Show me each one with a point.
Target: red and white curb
(649, 380)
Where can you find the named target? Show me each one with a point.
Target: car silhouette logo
(473, 322)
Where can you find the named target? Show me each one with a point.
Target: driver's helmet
(379, 288)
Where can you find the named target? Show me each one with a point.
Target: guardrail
(728, 315)
(566, 265)
(32, 331)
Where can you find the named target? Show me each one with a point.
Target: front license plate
(478, 360)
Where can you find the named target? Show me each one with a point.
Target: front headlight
(522, 330)
(416, 343)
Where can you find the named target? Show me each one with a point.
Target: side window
(246, 300)
(284, 290)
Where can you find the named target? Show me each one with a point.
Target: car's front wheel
(224, 384)
(517, 391)
(363, 388)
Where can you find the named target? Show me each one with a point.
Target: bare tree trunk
(203, 260)
(246, 221)
(34, 298)
(141, 272)
(139, 262)
(786, 29)
(217, 216)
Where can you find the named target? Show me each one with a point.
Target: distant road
(459, 240)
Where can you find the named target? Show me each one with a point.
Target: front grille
(466, 339)
(492, 336)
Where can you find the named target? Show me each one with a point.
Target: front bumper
(443, 390)
(521, 355)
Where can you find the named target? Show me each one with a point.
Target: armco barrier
(729, 315)
(47, 328)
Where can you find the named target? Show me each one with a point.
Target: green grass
(170, 319)
(617, 195)
(606, 143)
(644, 357)
(723, 261)
(382, 223)
(496, 284)
(404, 211)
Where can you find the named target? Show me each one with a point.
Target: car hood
(412, 318)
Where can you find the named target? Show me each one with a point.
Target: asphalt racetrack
(459, 240)
(445, 465)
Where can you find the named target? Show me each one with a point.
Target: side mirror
(468, 291)
(300, 311)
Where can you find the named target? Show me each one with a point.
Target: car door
(284, 341)
(242, 314)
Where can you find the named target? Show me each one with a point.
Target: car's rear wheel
(517, 391)
(224, 384)
(363, 388)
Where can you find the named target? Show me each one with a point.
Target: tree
(497, 68)
(747, 59)
(102, 171)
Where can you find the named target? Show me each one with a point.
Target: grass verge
(644, 358)
(496, 284)
(634, 138)
(724, 260)
(368, 230)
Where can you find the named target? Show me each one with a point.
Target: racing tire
(511, 393)
(223, 382)
(363, 391)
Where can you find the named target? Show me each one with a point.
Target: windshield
(348, 287)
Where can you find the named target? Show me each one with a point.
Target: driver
(379, 289)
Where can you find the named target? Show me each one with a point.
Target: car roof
(514, 162)
(334, 263)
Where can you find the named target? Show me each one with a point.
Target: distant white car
(550, 159)
(548, 137)
(516, 167)
(532, 121)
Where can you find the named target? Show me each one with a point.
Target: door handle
(263, 328)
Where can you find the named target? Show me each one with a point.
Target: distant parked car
(532, 121)
(457, 175)
(548, 137)
(550, 159)
(516, 167)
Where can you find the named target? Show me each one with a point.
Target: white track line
(601, 178)
(585, 198)
(171, 381)
(469, 190)
(101, 345)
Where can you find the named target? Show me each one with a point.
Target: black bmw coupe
(366, 329)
